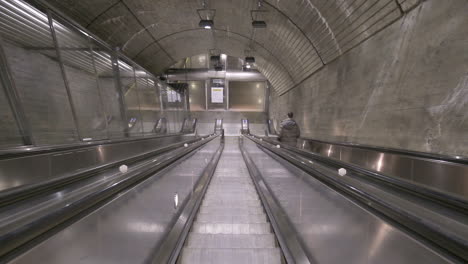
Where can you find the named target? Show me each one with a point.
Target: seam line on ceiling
(139, 22)
(399, 7)
(147, 31)
(102, 13)
(298, 28)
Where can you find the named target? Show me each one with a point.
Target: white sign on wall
(217, 95)
(173, 96)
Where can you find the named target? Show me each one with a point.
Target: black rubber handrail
(453, 201)
(418, 154)
(448, 243)
(24, 151)
(11, 242)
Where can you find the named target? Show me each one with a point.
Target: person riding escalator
(289, 131)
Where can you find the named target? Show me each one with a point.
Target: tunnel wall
(60, 85)
(405, 87)
(40, 86)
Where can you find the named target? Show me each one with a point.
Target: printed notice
(217, 95)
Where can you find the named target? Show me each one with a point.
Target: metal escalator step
(227, 256)
(231, 218)
(230, 196)
(231, 241)
(250, 191)
(232, 180)
(222, 228)
(228, 186)
(229, 203)
(232, 187)
(225, 210)
(233, 190)
(230, 210)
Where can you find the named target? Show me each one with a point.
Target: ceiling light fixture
(206, 17)
(206, 24)
(250, 59)
(258, 15)
(247, 67)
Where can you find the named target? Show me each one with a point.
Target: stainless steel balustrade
(289, 240)
(30, 219)
(19, 170)
(332, 227)
(441, 173)
(312, 222)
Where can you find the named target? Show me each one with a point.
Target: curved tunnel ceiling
(302, 35)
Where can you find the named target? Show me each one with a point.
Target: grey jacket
(289, 131)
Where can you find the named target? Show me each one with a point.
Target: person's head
(290, 114)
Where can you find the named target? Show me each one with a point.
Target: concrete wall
(9, 134)
(41, 89)
(405, 87)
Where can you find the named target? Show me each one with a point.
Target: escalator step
(231, 241)
(231, 218)
(237, 256)
(222, 228)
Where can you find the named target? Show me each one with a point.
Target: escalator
(228, 200)
(231, 225)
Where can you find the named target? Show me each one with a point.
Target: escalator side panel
(128, 228)
(33, 169)
(333, 228)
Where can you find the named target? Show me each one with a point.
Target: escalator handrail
(453, 201)
(25, 151)
(416, 154)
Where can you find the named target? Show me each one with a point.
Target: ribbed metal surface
(231, 226)
(301, 35)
